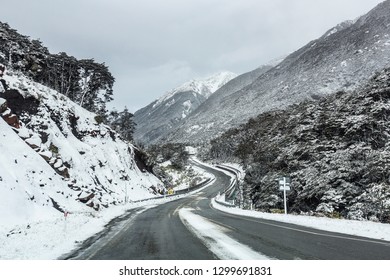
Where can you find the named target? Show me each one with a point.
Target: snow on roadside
(215, 239)
(183, 179)
(82, 164)
(199, 173)
(53, 237)
(235, 166)
(359, 228)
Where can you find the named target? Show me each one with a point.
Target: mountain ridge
(204, 87)
(339, 60)
(159, 117)
(335, 150)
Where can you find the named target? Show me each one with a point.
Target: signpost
(284, 185)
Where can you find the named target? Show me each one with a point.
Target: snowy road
(190, 228)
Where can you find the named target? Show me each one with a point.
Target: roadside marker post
(66, 213)
(284, 185)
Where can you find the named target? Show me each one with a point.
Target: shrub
(53, 148)
(99, 119)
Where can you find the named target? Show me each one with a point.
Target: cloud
(139, 87)
(153, 45)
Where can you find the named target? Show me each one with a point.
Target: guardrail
(179, 192)
(232, 190)
(226, 204)
(194, 188)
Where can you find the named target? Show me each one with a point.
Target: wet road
(159, 233)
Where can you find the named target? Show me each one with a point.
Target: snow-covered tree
(123, 123)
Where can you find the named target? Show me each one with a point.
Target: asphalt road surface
(162, 232)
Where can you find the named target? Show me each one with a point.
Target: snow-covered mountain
(336, 151)
(342, 59)
(158, 118)
(57, 156)
(204, 87)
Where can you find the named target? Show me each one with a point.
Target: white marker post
(66, 213)
(284, 185)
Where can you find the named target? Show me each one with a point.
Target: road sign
(284, 185)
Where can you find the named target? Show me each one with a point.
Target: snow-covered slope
(22, 172)
(342, 59)
(201, 114)
(157, 119)
(204, 87)
(56, 156)
(336, 152)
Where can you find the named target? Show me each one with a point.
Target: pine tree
(96, 86)
(127, 125)
(86, 82)
(122, 122)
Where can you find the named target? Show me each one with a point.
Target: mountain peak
(204, 87)
(339, 27)
(342, 59)
(164, 114)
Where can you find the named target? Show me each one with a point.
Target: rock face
(155, 121)
(11, 120)
(20, 104)
(342, 59)
(55, 155)
(3, 105)
(5, 112)
(336, 150)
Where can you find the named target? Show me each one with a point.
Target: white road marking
(113, 235)
(300, 230)
(215, 239)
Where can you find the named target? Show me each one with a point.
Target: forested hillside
(343, 59)
(336, 151)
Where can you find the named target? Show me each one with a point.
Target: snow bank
(55, 236)
(358, 228)
(52, 236)
(27, 183)
(213, 236)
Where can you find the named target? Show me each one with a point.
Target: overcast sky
(153, 46)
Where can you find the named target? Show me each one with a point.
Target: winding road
(190, 228)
